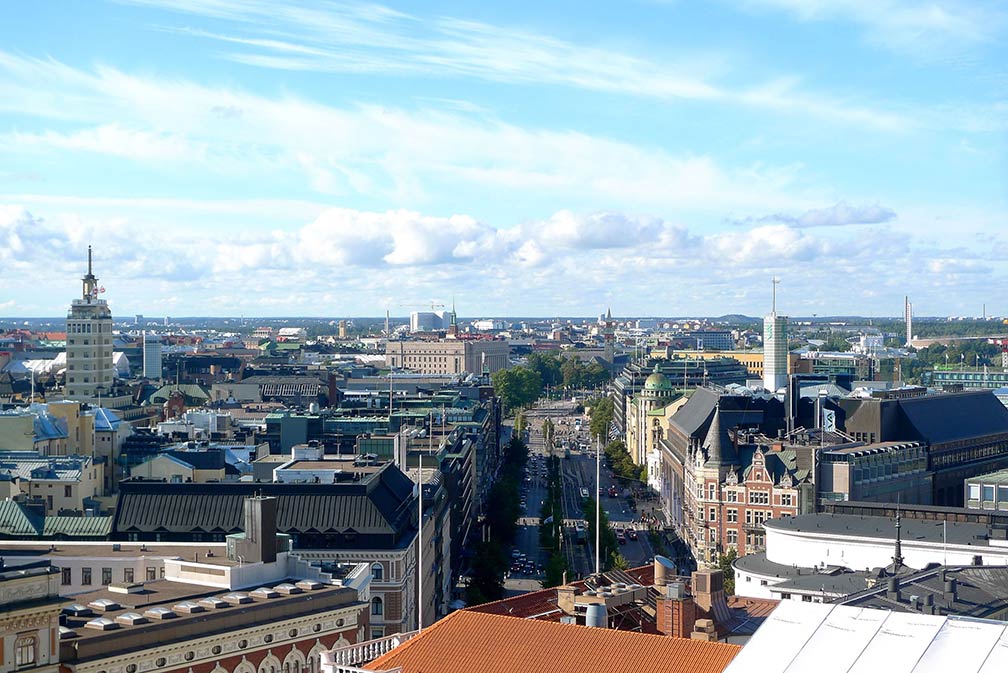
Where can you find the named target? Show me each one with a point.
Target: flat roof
(884, 528)
(61, 549)
(183, 625)
(999, 477)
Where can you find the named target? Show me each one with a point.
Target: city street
(578, 472)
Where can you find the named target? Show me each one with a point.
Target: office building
(448, 356)
(151, 355)
(90, 370)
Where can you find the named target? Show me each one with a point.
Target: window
(377, 607)
(377, 632)
(106, 576)
(712, 514)
(806, 599)
(85, 576)
(24, 651)
(759, 497)
(711, 491)
(988, 493)
(732, 536)
(712, 534)
(151, 573)
(787, 500)
(65, 577)
(67, 491)
(377, 572)
(732, 514)
(732, 496)
(128, 575)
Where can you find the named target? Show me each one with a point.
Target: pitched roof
(472, 641)
(956, 416)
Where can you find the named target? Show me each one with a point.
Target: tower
(609, 336)
(89, 343)
(908, 317)
(775, 347)
(152, 363)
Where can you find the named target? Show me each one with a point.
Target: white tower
(775, 347)
(89, 343)
(152, 355)
(908, 317)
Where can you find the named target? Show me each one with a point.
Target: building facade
(29, 617)
(89, 343)
(775, 352)
(448, 356)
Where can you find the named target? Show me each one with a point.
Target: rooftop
(999, 477)
(468, 641)
(164, 611)
(913, 530)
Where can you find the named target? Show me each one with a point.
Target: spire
(713, 443)
(898, 556)
(608, 313)
(90, 289)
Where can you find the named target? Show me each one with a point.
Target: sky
(273, 158)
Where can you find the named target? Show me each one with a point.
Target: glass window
(377, 572)
(988, 493)
(128, 575)
(1003, 494)
(24, 651)
(86, 576)
(106, 576)
(151, 573)
(377, 607)
(65, 577)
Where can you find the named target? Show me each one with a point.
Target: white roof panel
(898, 644)
(845, 633)
(997, 658)
(780, 638)
(961, 645)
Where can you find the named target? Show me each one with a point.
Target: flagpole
(598, 500)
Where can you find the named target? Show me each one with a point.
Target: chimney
(565, 598)
(951, 592)
(260, 541)
(708, 588)
(893, 589)
(676, 612)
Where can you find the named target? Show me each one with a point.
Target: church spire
(90, 283)
(898, 556)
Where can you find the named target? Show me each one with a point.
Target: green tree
(519, 424)
(619, 562)
(601, 417)
(725, 564)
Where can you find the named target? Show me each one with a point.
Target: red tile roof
(474, 642)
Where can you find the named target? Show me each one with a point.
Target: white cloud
(925, 29)
(114, 140)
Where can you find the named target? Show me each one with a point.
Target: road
(578, 472)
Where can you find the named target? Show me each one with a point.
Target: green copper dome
(657, 381)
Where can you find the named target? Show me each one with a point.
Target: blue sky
(664, 158)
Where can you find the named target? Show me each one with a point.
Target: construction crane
(433, 305)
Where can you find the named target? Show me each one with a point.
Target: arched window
(25, 649)
(377, 572)
(377, 607)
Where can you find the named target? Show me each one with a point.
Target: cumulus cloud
(838, 215)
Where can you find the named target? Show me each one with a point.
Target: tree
(725, 565)
(601, 417)
(519, 424)
(619, 561)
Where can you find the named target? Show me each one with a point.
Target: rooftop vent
(287, 589)
(160, 613)
(188, 607)
(66, 634)
(236, 598)
(103, 604)
(78, 610)
(264, 592)
(131, 618)
(213, 603)
(309, 585)
(131, 588)
(101, 624)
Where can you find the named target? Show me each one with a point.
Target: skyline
(342, 158)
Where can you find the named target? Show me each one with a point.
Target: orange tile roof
(474, 642)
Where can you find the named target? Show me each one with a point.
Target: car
(631, 533)
(515, 552)
(620, 537)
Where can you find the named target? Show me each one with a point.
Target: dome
(657, 381)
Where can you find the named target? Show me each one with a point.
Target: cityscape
(356, 338)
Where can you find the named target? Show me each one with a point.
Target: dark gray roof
(955, 416)
(206, 459)
(981, 591)
(378, 504)
(694, 415)
(958, 532)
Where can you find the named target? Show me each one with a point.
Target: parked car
(620, 537)
(631, 533)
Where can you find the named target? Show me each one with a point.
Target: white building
(429, 321)
(90, 369)
(813, 548)
(775, 352)
(152, 365)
